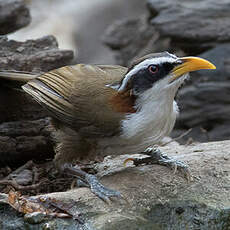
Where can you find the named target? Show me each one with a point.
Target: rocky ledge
(192, 25)
(13, 15)
(156, 197)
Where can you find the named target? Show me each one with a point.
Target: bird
(100, 110)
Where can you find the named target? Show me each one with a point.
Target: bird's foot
(155, 156)
(91, 181)
(99, 189)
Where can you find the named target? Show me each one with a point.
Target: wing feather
(78, 96)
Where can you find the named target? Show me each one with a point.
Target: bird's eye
(153, 69)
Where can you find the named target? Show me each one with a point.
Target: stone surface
(15, 105)
(34, 218)
(157, 198)
(221, 58)
(25, 177)
(193, 26)
(133, 38)
(38, 55)
(204, 100)
(21, 141)
(172, 26)
(199, 107)
(13, 15)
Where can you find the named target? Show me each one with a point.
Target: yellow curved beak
(190, 64)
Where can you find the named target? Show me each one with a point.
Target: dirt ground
(34, 179)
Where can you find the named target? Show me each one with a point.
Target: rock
(16, 105)
(192, 26)
(13, 15)
(25, 128)
(206, 115)
(128, 37)
(132, 38)
(34, 218)
(204, 100)
(220, 57)
(21, 141)
(40, 55)
(9, 221)
(158, 199)
(25, 177)
(201, 107)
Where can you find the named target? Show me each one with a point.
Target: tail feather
(51, 90)
(15, 79)
(17, 76)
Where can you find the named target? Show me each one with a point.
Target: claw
(91, 181)
(188, 175)
(175, 169)
(127, 160)
(156, 157)
(100, 190)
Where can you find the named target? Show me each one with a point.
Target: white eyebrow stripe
(143, 64)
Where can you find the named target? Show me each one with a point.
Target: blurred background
(78, 24)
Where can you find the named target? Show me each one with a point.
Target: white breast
(153, 121)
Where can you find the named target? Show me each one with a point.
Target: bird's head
(154, 78)
(160, 73)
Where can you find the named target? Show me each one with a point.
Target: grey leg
(155, 156)
(91, 181)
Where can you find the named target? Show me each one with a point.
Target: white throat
(155, 116)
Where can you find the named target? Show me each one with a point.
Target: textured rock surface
(205, 100)
(221, 58)
(15, 105)
(176, 25)
(131, 38)
(23, 140)
(38, 55)
(13, 15)
(193, 26)
(157, 198)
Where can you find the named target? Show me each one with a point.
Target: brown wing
(79, 97)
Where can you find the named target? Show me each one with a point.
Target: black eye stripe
(146, 77)
(168, 66)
